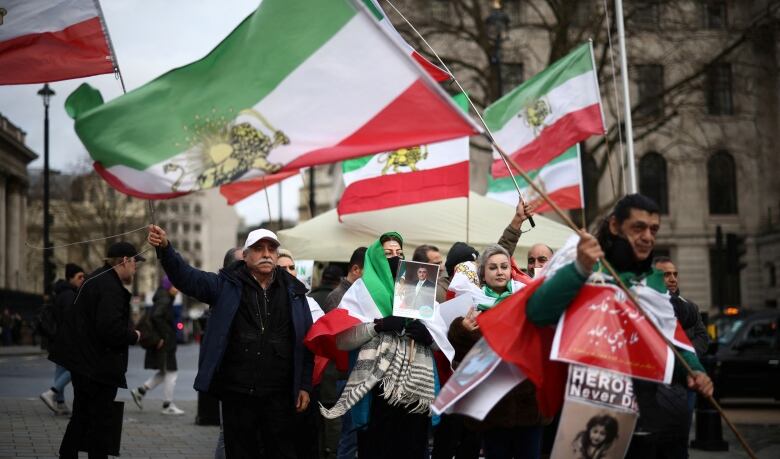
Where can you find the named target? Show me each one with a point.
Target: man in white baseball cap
(253, 358)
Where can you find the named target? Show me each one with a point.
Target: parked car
(747, 355)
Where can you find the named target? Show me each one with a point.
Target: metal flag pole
(632, 188)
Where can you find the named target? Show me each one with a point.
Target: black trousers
(656, 446)
(452, 439)
(92, 405)
(393, 432)
(259, 426)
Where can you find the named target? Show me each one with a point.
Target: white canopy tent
(441, 223)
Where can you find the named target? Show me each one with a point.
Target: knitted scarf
(406, 380)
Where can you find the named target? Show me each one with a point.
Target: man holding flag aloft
(626, 239)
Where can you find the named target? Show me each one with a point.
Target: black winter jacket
(93, 341)
(162, 321)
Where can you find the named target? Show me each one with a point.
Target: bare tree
(671, 33)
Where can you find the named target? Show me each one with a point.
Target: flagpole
(488, 133)
(114, 59)
(632, 297)
(626, 97)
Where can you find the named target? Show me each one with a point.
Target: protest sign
(599, 415)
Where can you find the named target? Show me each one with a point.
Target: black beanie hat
(459, 252)
(71, 269)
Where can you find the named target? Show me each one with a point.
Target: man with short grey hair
(253, 358)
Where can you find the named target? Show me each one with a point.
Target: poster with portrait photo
(599, 415)
(414, 292)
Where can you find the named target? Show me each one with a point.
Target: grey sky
(150, 37)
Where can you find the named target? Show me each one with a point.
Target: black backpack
(46, 321)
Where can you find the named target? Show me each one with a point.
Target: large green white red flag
(561, 179)
(549, 113)
(408, 175)
(297, 83)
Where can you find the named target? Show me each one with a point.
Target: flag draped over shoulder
(297, 83)
(408, 175)
(561, 179)
(44, 40)
(549, 113)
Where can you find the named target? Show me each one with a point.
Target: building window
(646, 14)
(185, 245)
(650, 82)
(652, 180)
(722, 184)
(162, 207)
(174, 227)
(185, 227)
(718, 88)
(197, 245)
(714, 14)
(197, 209)
(174, 207)
(440, 10)
(771, 274)
(185, 207)
(581, 13)
(511, 75)
(196, 227)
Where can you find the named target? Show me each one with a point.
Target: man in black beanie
(64, 296)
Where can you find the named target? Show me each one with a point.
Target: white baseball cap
(258, 235)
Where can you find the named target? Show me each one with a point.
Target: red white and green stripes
(45, 40)
(549, 113)
(408, 175)
(561, 179)
(305, 82)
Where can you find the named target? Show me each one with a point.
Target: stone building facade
(14, 181)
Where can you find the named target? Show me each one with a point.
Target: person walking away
(64, 296)
(163, 358)
(92, 344)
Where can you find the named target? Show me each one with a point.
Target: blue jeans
(517, 442)
(61, 379)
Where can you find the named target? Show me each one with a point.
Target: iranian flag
(561, 179)
(298, 83)
(548, 113)
(235, 192)
(408, 175)
(44, 40)
(434, 71)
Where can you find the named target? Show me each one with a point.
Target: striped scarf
(406, 379)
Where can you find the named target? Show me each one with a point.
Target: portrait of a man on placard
(415, 290)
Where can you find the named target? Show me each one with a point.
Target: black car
(747, 355)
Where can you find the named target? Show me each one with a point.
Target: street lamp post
(497, 23)
(46, 93)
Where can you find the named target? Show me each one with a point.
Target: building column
(21, 249)
(3, 224)
(13, 241)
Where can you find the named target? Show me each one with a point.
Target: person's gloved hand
(389, 324)
(419, 332)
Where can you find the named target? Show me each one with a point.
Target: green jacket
(551, 299)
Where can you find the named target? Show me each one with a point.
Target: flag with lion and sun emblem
(407, 175)
(296, 84)
(549, 113)
(561, 179)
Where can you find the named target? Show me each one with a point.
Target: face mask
(621, 255)
(394, 262)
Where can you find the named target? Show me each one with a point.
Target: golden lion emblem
(534, 115)
(404, 157)
(467, 269)
(228, 153)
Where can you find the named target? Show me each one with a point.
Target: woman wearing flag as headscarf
(513, 428)
(392, 382)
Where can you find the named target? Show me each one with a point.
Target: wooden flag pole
(630, 295)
